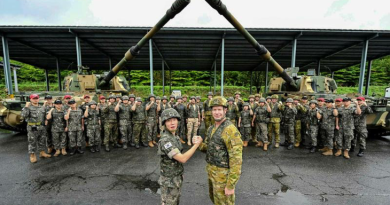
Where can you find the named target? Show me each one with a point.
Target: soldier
(244, 122)
(75, 127)
(125, 127)
(83, 106)
(268, 99)
(181, 109)
(304, 121)
(118, 98)
(274, 125)
(47, 106)
(301, 112)
(257, 98)
(139, 120)
(172, 101)
(253, 106)
(329, 124)
(193, 119)
(171, 158)
(338, 132)
(101, 106)
(208, 119)
(66, 100)
(34, 115)
(223, 146)
(92, 115)
(261, 115)
(232, 111)
(56, 117)
(185, 98)
(289, 114)
(361, 125)
(237, 99)
(111, 124)
(200, 104)
(151, 122)
(321, 132)
(163, 106)
(132, 102)
(314, 115)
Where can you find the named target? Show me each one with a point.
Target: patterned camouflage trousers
(360, 137)
(208, 121)
(347, 138)
(338, 138)
(262, 132)
(322, 136)
(304, 132)
(102, 132)
(290, 133)
(49, 136)
(217, 182)
(313, 133)
(110, 132)
(93, 133)
(298, 127)
(139, 132)
(151, 126)
(126, 130)
(192, 127)
(253, 134)
(59, 140)
(170, 189)
(245, 133)
(274, 127)
(181, 131)
(36, 137)
(329, 136)
(76, 138)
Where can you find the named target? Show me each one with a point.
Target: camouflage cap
(246, 104)
(92, 103)
(168, 114)
(125, 97)
(313, 101)
(257, 95)
(164, 98)
(158, 98)
(172, 96)
(251, 96)
(48, 97)
(131, 96)
(185, 96)
(111, 96)
(268, 97)
(210, 93)
(230, 99)
(118, 96)
(138, 99)
(179, 97)
(151, 96)
(198, 97)
(296, 98)
(237, 93)
(57, 102)
(274, 97)
(192, 97)
(218, 101)
(289, 100)
(262, 100)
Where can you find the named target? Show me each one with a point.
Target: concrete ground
(130, 176)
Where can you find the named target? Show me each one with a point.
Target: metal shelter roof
(191, 48)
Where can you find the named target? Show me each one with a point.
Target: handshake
(197, 140)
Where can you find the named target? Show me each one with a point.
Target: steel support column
(294, 53)
(319, 67)
(363, 66)
(332, 74)
(163, 76)
(151, 64)
(368, 77)
(7, 66)
(215, 76)
(78, 52)
(58, 74)
(211, 79)
(16, 79)
(250, 89)
(222, 64)
(170, 82)
(266, 79)
(47, 80)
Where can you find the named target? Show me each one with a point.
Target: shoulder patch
(168, 145)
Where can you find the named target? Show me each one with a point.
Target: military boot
(182, 141)
(290, 146)
(352, 149)
(361, 153)
(259, 144)
(132, 144)
(284, 144)
(116, 145)
(338, 153)
(43, 154)
(72, 151)
(277, 145)
(107, 148)
(265, 148)
(313, 149)
(297, 144)
(144, 144)
(49, 150)
(189, 141)
(346, 154)
(92, 149)
(137, 146)
(58, 152)
(245, 143)
(329, 152)
(150, 144)
(324, 149)
(33, 158)
(125, 146)
(154, 142)
(79, 150)
(97, 148)
(63, 151)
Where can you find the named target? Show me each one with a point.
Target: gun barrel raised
(176, 8)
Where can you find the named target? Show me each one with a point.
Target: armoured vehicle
(76, 84)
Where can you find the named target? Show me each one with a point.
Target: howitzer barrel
(260, 49)
(176, 8)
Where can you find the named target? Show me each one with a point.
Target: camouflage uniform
(75, 131)
(245, 125)
(35, 117)
(262, 118)
(193, 120)
(111, 125)
(125, 125)
(274, 124)
(181, 109)
(328, 125)
(223, 146)
(49, 136)
(232, 113)
(313, 125)
(103, 119)
(208, 117)
(171, 171)
(93, 127)
(304, 128)
(361, 127)
(139, 119)
(344, 135)
(253, 107)
(322, 131)
(58, 128)
(289, 121)
(151, 123)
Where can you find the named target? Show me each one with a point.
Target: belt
(34, 123)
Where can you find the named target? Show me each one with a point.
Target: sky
(332, 14)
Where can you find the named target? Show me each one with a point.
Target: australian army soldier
(34, 115)
(223, 147)
(151, 122)
(181, 109)
(139, 120)
(301, 112)
(75, 127)
(111, 124)
(274, 125)
(193, 119)
(260, 121)
(329, 123)
(208, 118)
(244, 123)
(47, 106)
(92, 115)
(232, 111)
(163, 106)
(57, 117)
(125, 126)
(314, 116)
(289, 114)
(361, 125)
(171, 158)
